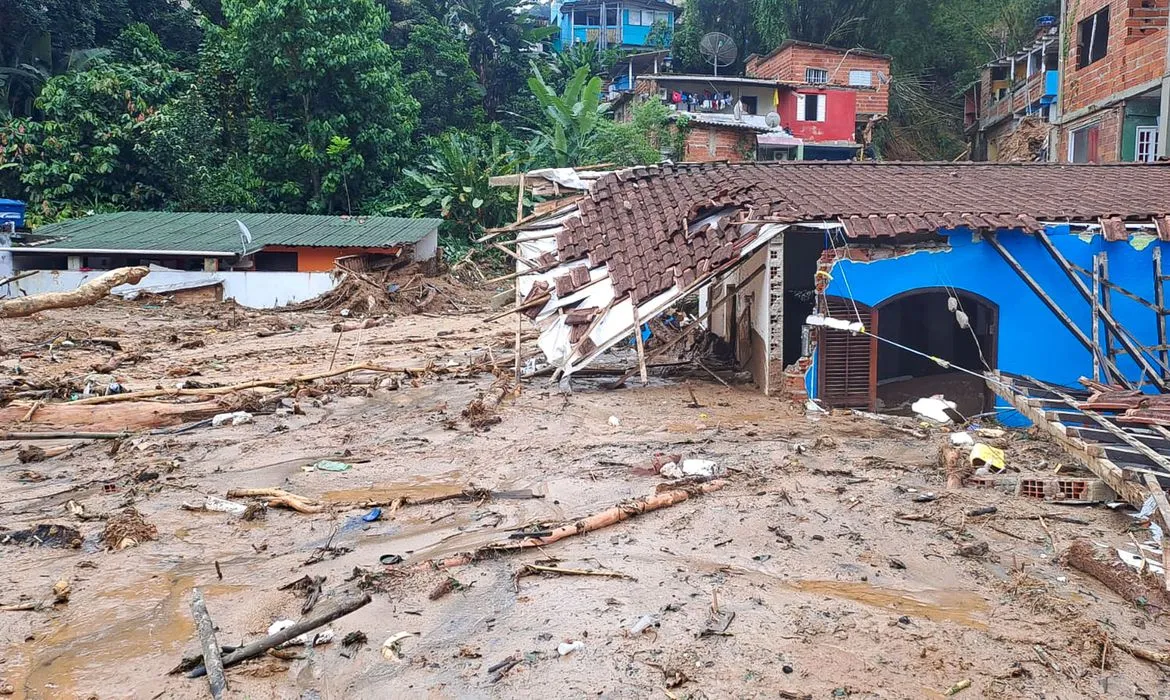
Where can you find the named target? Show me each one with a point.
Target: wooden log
(215, 391)
(62, 435)
(86, 294)
(1164, 512)
(341, 608)
(128, 416)
(1116, 575)
(212, 660)
(611, 516)
(280, 497)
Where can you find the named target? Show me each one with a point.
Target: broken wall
(1031, 340)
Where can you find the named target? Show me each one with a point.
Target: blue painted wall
(632, 35)
(1032, 341)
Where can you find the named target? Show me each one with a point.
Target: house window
(816, 76)
(1083, 145)
(810, 108)
(1147, 144)
(1092, 38)
(861, 78)
(750, 104)
(647, 18)
(587, 18)
(611, 17)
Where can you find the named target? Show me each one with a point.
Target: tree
(452, 182)
(84, 152)
(654, 132)
(318, 70)
(569, 120)
(499, 33)
(439, 75)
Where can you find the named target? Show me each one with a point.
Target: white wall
(258, 290)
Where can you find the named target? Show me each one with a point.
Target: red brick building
(801, 102)
(1115, 82)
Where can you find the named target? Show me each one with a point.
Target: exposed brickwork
(1136, 51)
(705, 144)
(788, 63)
(1109, 123)
(776, 314)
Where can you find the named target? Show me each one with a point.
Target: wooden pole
(641, 347)
(1096, 312)
(1107, 302)
(532, 266)
(1110, 365)
(63, 435)
(323, 617)
(212, 660)
(1160, 306)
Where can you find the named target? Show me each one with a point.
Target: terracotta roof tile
(872, 199)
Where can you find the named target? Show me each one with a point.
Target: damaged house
(864, 285)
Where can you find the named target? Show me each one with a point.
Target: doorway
(957, 327)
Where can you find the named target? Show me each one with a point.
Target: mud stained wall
(750, 304)
(1032, 340)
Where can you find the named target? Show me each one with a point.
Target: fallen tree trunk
(205, 629)
(128, 416)
(215, 391)
(611, 516)
(88, 293)
(342, 608)
(1118, 577)
(280, 497)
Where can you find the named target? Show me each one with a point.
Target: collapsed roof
(640, 239)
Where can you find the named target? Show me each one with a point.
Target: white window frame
(810, 75)
(861, 78)
(802, 103)
(1072, 141)
(1151, 132)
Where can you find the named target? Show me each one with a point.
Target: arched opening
(956, 326)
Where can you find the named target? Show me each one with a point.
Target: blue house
(625, 24)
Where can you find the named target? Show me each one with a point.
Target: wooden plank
(1096, 315)
(1163, 512)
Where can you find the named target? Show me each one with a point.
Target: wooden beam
(1160, 310)
(1164, 513)
(1111, 324)
(1073, 328)
(1096, 316)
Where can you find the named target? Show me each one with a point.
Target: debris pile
(128, 529)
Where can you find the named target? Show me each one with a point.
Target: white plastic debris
(934, 408)
(1139, 562)
(390, 646)
(307, 639)
(962, 439)
(644, 623)
(692, 467)
(222, 505)
(614, 421)
(838, 324)
(564, 649)
(1147, 514)
(237, 418)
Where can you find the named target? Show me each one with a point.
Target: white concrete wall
(258, 290)
(426, 248)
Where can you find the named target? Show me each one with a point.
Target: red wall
(840, 116)
(788, 64)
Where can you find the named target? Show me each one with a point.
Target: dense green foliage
(408, 106)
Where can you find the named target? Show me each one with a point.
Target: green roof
(219, 233)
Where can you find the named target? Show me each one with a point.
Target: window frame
(819, 107)
(853, 82)
(1072, 142)
(1090, 29)
(1151, 142)
(810, 73)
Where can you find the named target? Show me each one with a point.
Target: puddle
(114, 637)
(961, 607)
(418, 487)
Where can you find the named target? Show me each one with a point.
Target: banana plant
(570, 120)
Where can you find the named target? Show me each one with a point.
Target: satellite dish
(772, 119)
(245, 236)
(718, 49)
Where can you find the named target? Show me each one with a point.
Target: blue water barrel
(11, 211)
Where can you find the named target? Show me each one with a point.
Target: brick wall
(1109, 122)
(729, 144)
(1136, 52)
(789, 63)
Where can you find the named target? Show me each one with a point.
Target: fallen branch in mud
(533, 569)
(213, 391)
(1158, 657)
(611, 516)
(86, 294)
(1116, 575)
(468, 494)
(342, 608)
(280, 497)
(129, 416)
(205, 629)
(63, 435)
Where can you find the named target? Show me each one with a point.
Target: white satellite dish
(772, 119)
(245, 236)
(718, 49)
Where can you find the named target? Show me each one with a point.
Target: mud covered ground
(841, 584)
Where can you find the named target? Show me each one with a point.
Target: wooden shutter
(821, 106)
(800, 107)
(848, 362)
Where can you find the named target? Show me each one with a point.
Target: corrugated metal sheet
(166, 231)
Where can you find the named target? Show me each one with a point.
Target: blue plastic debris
(374, 514)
